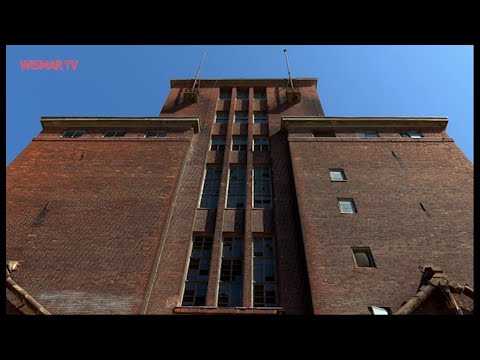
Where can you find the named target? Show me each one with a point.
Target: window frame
(337, 170)
(264, 282)
(220, 146)
(210, 196)
(261, 120)
(242, 91)
(157, 132)
(233, 261)
(242, 143)
(225, 121)
(115, 133)
(262, 196)
(261, 147)
(352, 203)
(243, 119)
(74, 134)
(365, 250)
(230, 196)
(418, 134)
(367, 134)
(225, 91)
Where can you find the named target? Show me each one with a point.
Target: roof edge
(178, 83)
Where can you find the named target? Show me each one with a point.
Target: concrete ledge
(209, 83)
(207, 310)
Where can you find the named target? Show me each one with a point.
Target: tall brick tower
(242, 197)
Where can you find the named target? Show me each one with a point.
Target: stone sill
(354, 139)
(209, 310)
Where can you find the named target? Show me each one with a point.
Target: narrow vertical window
(221, 117)
(264, 279)
(211, 187)
(259, 94)
(242, 94)
(231, 283)
(195, 293)
(239, 143)
(218, 143)
(262, 188)
(236, 187)
(225, 94)
(241, 117)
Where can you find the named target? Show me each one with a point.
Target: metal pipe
(19, 292)
(467, 290)
(415, 302)
(288, 67)
(198, 70)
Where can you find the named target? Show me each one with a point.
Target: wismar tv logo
(48, 64)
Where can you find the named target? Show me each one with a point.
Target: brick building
(242, 197)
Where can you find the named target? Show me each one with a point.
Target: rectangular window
(260, 117)
(347, 206)
(324, 133)
(367, 134)
(211, 187)
(218, 143)
(261, 143)
(412, 134)
(155, 134)
(363, 257)
(337, 175)
(225, 94)
(114, 133)
(239, 143)
(195, 293)
(242, 94)
(262, 188)
(222, 117)
(231, 273)
(241, 117)
(72, 133)
(236, 187)
(264, 286)
(259, 94)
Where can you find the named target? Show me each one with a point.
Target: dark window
(337, 175)
(231, 274)
(72, 133)
(264, 279)
(218, 143)
(241, 117)
(260, 117)
(114, 133)
(195, 293)
(367, 134)
(363, 257)
(225, 94)
(262, 188)
(222, 117)
(211, 187)
(242, 94)
(324, 133)
(239, 143)
(155, 134)
(412, 134)
(236, 187)
(261, 143)
(347, 206)
(259, 94)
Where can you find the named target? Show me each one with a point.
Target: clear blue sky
(134, 81)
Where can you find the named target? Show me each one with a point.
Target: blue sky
(134, 81)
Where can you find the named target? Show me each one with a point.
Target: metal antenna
(288, 66)
(198, 71)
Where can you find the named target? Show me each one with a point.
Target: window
(222, 117)
(72, 133)
(337, 175)
(241, 117)
(155, 134)
(114, 133)
(239, 143)
(363, 257)
(347, 206)
(236, 187)
(264, 287)
(195, 293)
(211, 187)
(412, 134)
(231, 283)
(324, 133)
(259, 94)
(218, 143)
(242, 94)
(262, 188)
(260, 117)
(367, 134)
(225, 94)
(261, 143)
(375, 310)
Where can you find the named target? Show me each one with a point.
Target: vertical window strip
(264, 279)
(211, 187)
(196, 283)
(262, 188)
(236, 187)
(231, 273)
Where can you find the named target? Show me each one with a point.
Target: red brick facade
(105, 225)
